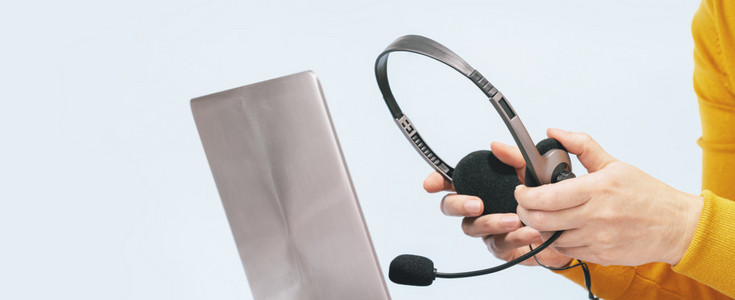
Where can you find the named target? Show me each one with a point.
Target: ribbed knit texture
(715, 239)
(707, 270)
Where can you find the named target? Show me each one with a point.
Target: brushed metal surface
(287, 192)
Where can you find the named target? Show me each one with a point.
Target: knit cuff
(709, 257)
(609, 282)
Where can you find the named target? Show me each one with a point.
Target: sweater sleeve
(709, 258)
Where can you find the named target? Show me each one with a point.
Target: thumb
(509, 155)
(589, 152)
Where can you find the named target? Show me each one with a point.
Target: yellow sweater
(707, 270)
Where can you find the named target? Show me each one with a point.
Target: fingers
(435, 182)
(553, 220)
(490, 224)
(461, 205)
(568, 239)
(522, 237)
(589, 152)
(558, 206)
(558, 196)
(510, 155)
(546, 235)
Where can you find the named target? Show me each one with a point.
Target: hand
(616, 214)
(502, 233)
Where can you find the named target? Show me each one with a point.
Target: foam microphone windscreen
(412, 270)
(482, 174)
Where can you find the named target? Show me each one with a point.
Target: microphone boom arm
(503, 266)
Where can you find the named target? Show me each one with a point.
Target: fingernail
(518, 187)
(509, 221)
(560, 130)
(473, 206)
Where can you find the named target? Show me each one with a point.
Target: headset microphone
(480, 173)
(419, 271)
(412, 270)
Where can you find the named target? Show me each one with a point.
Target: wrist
(689, 219)
(564, 265)
(559, 263)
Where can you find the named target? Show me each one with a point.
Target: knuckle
(545, 201)
(609, 180)
(604, 237)
(467, 226)
(605, 215)
(536, 220)
(495, 246)
(512, 238)
(604, 184)
(585, 138)
(487, 226)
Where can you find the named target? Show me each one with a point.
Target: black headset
(479, 173)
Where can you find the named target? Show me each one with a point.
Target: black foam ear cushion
(547, 144)
(482, 174)
(543, 146)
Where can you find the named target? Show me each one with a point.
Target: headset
(479, 173)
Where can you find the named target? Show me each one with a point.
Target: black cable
(583, 265)
(505, 265)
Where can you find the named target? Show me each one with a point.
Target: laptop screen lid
(286, 191)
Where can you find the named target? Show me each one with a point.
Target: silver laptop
(286, 191)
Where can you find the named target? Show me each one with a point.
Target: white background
(105, 192)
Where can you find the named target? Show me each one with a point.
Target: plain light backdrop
(106, 193)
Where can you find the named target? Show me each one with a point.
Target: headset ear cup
(543, 146)
(482, 174)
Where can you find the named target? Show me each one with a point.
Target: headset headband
(541, 167)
